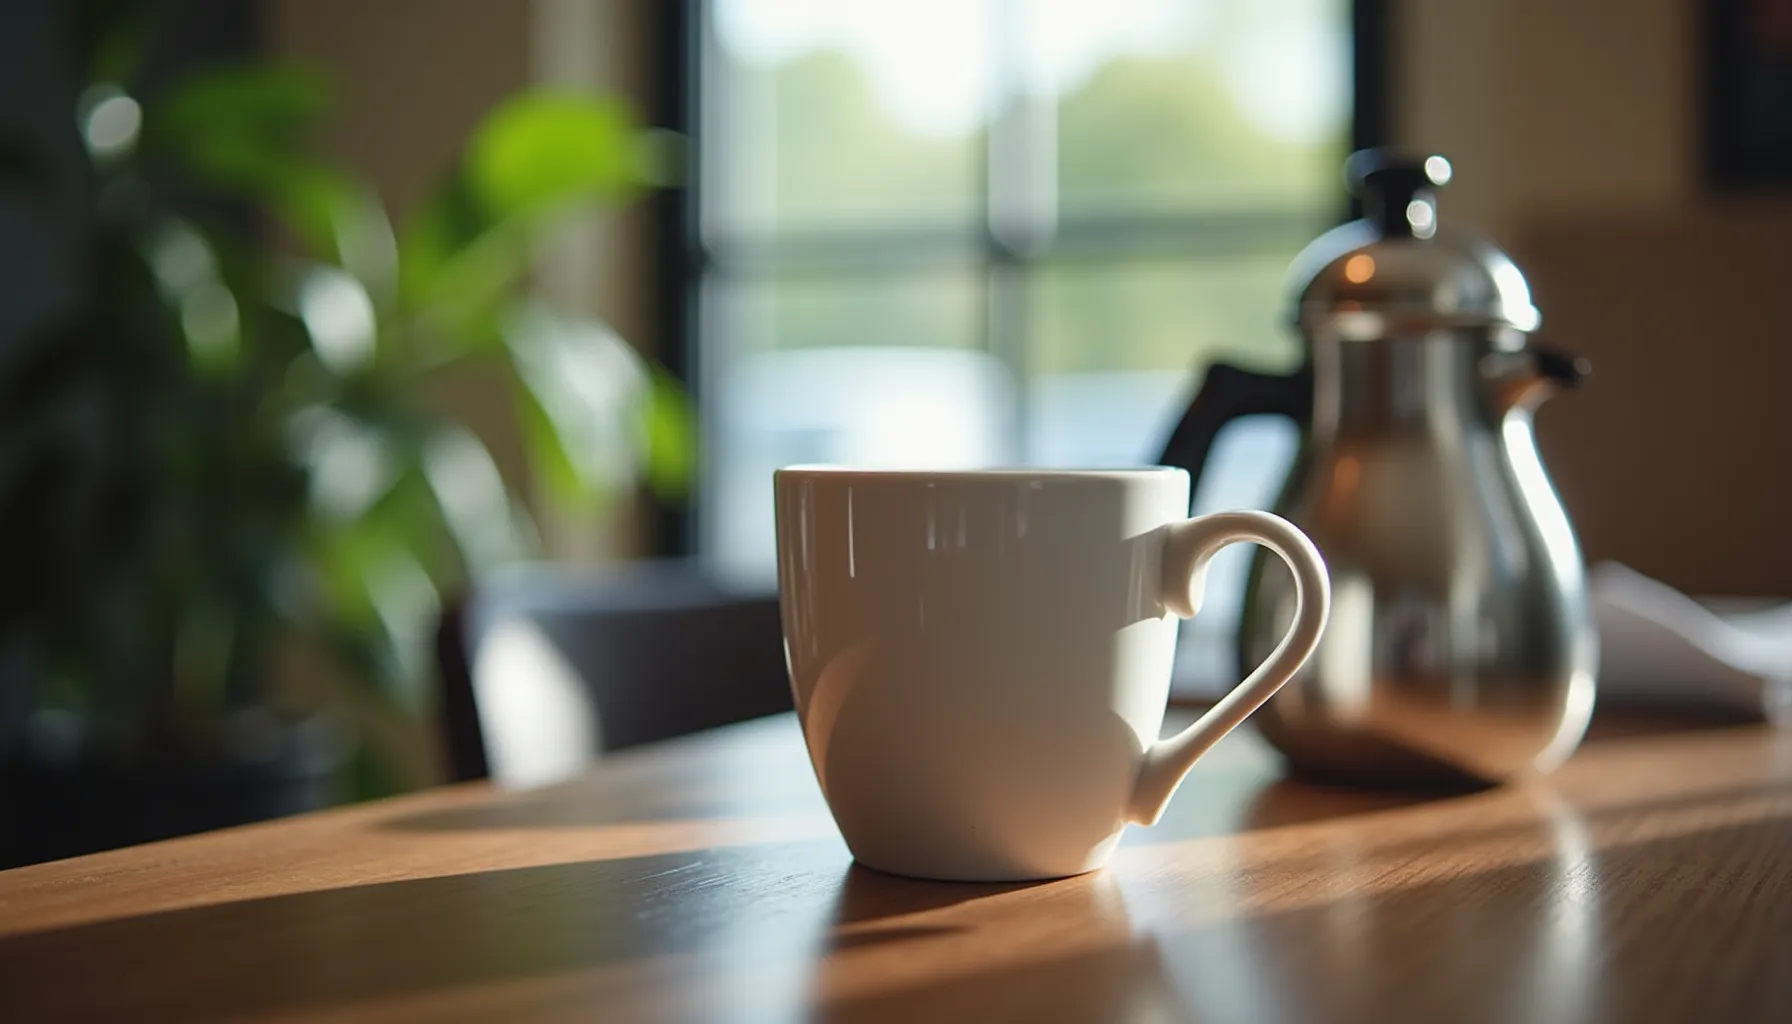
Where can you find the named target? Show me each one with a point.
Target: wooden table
(1651, 879)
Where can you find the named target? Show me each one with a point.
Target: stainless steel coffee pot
(1461, 646)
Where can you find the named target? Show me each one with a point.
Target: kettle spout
(1525, 379)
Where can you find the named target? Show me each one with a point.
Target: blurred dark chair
(545, 668)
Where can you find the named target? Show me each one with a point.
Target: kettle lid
(1396, 269)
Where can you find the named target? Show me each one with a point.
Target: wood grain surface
(1650, 879)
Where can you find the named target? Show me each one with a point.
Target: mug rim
(831, 471)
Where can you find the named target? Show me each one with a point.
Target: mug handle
(1189, 546)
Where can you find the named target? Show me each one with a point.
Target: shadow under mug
(981, 659)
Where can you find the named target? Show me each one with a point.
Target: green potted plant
(227, 511)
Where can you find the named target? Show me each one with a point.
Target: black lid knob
(1398, 189)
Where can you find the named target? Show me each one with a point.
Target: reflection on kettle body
(1462, 648)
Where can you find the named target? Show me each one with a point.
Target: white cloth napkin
(1659, 647)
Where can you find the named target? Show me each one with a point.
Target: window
(956, 233)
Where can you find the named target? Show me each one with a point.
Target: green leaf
(588, 385)
(382, 573)
(543, 149)
(463, 301)
(447, 222)
(549, 460)
(110, 37)
(597, 417)
(365, 243)
(669, 437)
(537, 154)
(244, 130)
(333, 217)
(457, 268)
(472, 499)
(272, 106)
(339, 318)
(211, 322)
(408, 604)
(338, 556)
(376, 601)
(307, 198)
(353, 464)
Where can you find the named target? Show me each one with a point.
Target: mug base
(972, 877)
(934, 868)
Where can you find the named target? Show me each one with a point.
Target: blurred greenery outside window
(997, 231)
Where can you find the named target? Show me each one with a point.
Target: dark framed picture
(1748, 100)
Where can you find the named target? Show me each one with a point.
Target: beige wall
(413, 77)
(1571, 107)
(1575, 128)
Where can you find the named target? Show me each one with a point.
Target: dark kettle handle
(1559, 366)
(1226, 394)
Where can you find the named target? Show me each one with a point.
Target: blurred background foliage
(224, 507)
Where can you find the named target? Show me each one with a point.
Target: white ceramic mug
(981, 660)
